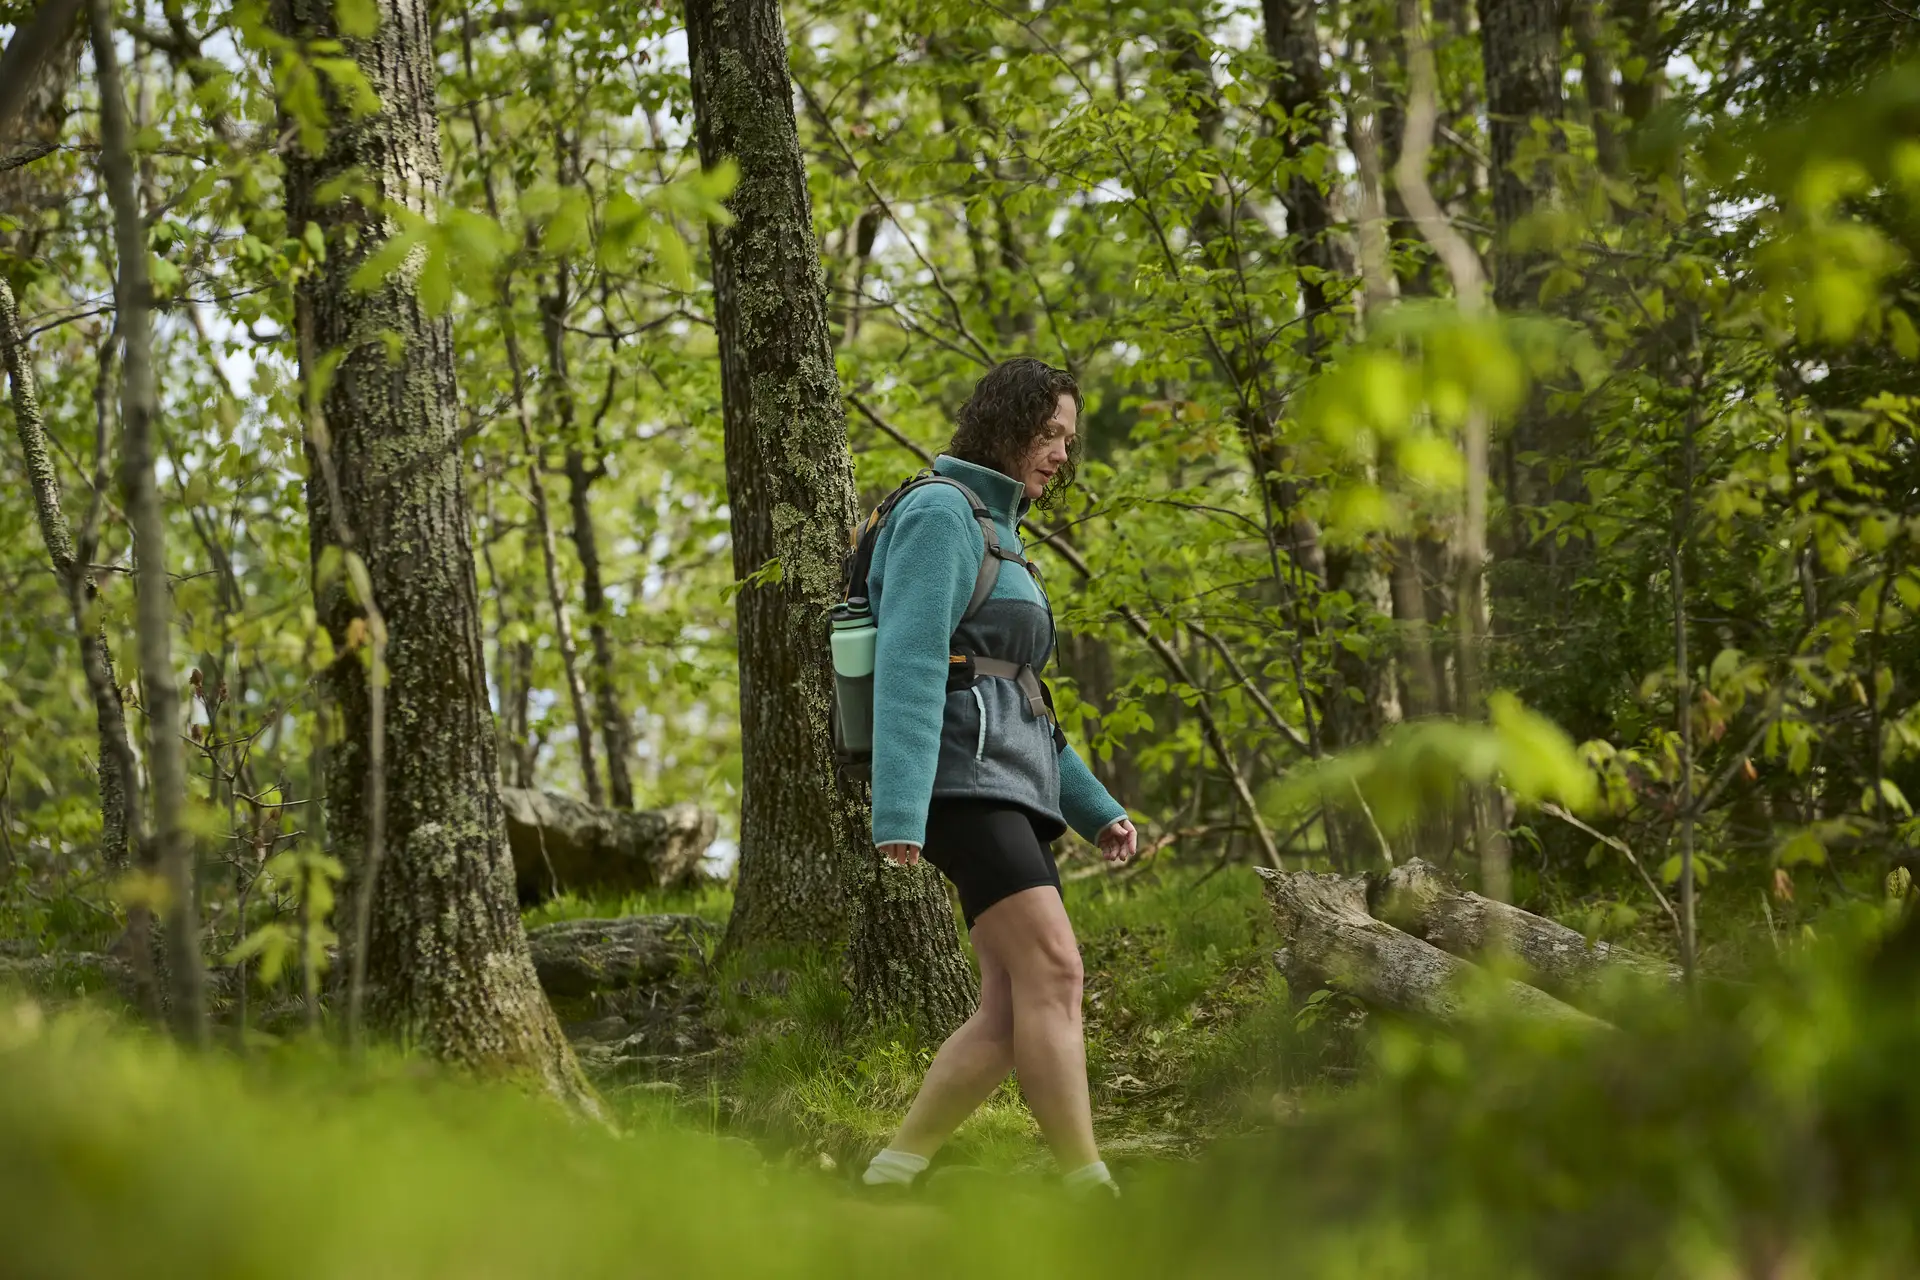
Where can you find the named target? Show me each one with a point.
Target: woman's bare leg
(1030, 935)
(968, 1068)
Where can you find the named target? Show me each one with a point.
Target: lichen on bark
(806, 856)
(448, 963)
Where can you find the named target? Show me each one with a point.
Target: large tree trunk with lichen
(447, 959)
(807, 862)
(1331, 939)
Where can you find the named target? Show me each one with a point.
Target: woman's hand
(1116, 842)
(901, 853)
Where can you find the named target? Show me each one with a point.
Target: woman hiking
(971, 773)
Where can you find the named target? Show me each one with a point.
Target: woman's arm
(1086, 805)
(926, 578)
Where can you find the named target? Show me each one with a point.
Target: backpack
(851, 714)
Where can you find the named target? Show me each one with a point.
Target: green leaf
(357, 18)
(436, 281)
(1805, 846)
(388, 258)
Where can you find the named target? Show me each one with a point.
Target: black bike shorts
(989, 849)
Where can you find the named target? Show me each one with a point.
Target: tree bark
(569, 651)
(171, 843)
(1596, 84)
(1417, 898)
(805, 850)
(1520, 43)
(447, 956)
(1300, 89)
(1641, 23)
(115, 767)
(616, 735)
(1329, 938)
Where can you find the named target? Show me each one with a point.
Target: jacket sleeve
(926, 578)
(1086, 805)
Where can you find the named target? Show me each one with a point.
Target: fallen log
(560, 844)
(1330, 936)
(579, 957)
(1416, 897)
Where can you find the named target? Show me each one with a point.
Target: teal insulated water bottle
(853, 640)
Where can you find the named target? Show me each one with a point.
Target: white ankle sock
(1089, 1176)
(900, 1167)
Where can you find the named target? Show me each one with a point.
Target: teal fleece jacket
(978, 742)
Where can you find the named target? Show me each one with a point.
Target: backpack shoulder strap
(869, 531)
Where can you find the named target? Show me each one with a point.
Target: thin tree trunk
(172, 853)
(447, 959)
(114, 769)
(1640, 95)
(1520, 43)
(550, 563)
(805, 846)
(536, 471)
(1596, 83)
(1300, 88)
(615, 734)
(1682, 663)
(1470, 294)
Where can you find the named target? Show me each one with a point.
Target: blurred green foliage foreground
(1759, 1130)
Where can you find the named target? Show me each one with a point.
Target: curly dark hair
(1007, 412)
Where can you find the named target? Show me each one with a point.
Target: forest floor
(1764, 1128)
(1191, 1034)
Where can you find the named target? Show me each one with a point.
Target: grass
(1762, 1130)
(1190, 1035)
(711, 901)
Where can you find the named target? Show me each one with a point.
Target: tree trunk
(115, 766)
(1300, 88)
(1596, 83)
(1329, 938)
(805, 849)
(42, 59)
(1520, 42)
(615, 733)
(1641, 95)
(447, 958)
(1417, 898)
(171, 844)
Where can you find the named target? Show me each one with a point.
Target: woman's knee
(1032, 943)
(1052, 971)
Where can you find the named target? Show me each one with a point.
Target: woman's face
(1049, 453)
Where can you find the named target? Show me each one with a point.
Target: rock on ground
(560, 845)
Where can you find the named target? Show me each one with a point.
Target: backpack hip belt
(964, 668)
